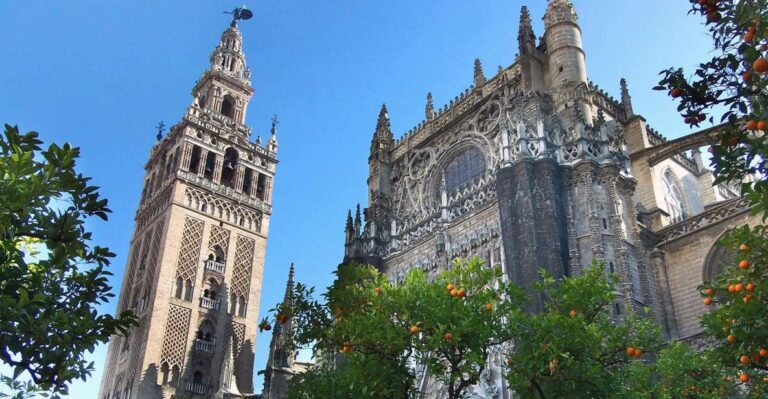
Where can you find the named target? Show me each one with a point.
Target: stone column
(662, 279)
(186, 156)
(217, 169)
(239, 175)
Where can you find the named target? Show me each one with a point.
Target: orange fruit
(630, 351)
(733, 141)
(450, 287)
(743, 377)
(377, 290)
(750, 287)
(489, 307)
(763, 352)
(676, 92)
(709, 292)
(638, 353)
(414, 329)
(714, 16)
(747, 298)
(346, 349)
(448, 337)
(744, 247)
(760, 65)
(454, 292)
(744, 264)
(460, 293)
(572, 313)
(751, 124)
(738, 287)
(761, 125)
(731, 288)
(510, 362)
(707, 301)
(744, 359)
(750, 34)
(731, 339)
(747, 76)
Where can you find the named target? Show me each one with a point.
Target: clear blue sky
(101, 74)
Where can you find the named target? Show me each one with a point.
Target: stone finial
(288, 297)
(272, 144)
(526, 39)
(349, 221)
(358, 220)
(479, 75)
(430, 111)
(626, 99)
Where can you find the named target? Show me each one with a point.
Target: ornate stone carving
(175, 337)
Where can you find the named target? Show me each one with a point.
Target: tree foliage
(51, 278)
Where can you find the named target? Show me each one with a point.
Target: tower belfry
(194, 272)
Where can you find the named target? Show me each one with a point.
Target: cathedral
(536, 167)
(196, 260)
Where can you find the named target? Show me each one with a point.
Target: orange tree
(732, 88)
(574, 348)
(375, 336)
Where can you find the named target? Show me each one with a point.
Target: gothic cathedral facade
(194, 271)
(536, 167)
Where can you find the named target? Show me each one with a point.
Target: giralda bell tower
(195, 267)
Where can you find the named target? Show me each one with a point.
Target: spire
(626, 100)
(288, 297)
(430, 107)
(349, 221)
(382, 137)
(358, 220)
(525, 36)
(479, 76)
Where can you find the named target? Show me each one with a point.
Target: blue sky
(102, 74)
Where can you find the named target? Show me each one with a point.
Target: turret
(380, 167)
(562, 35)
(430, 108)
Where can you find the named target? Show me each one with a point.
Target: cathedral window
(673, 198)
(210, 164)
(464, 169)
(194, 159)
(228, 170)
(228, 107)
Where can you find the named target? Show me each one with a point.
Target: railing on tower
(197, 388)
(205, 346)
(214, 266)
(209, 303)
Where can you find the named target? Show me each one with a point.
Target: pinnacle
(430, 109)
(479, 76)
(382, 124)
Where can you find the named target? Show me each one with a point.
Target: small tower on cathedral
(280, 365)
(194, 271)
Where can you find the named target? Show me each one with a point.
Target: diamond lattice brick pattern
(175, 340)
(189, 254)
(243, 260)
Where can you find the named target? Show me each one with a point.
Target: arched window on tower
(175, 371)
(228, 107)
(179, 288)
(188, 290)
(164, 369)
(210, 165)
(228, 169)
(463, 169)
(194, 159)
(241, 307)
(673, 198)
(247, 179)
